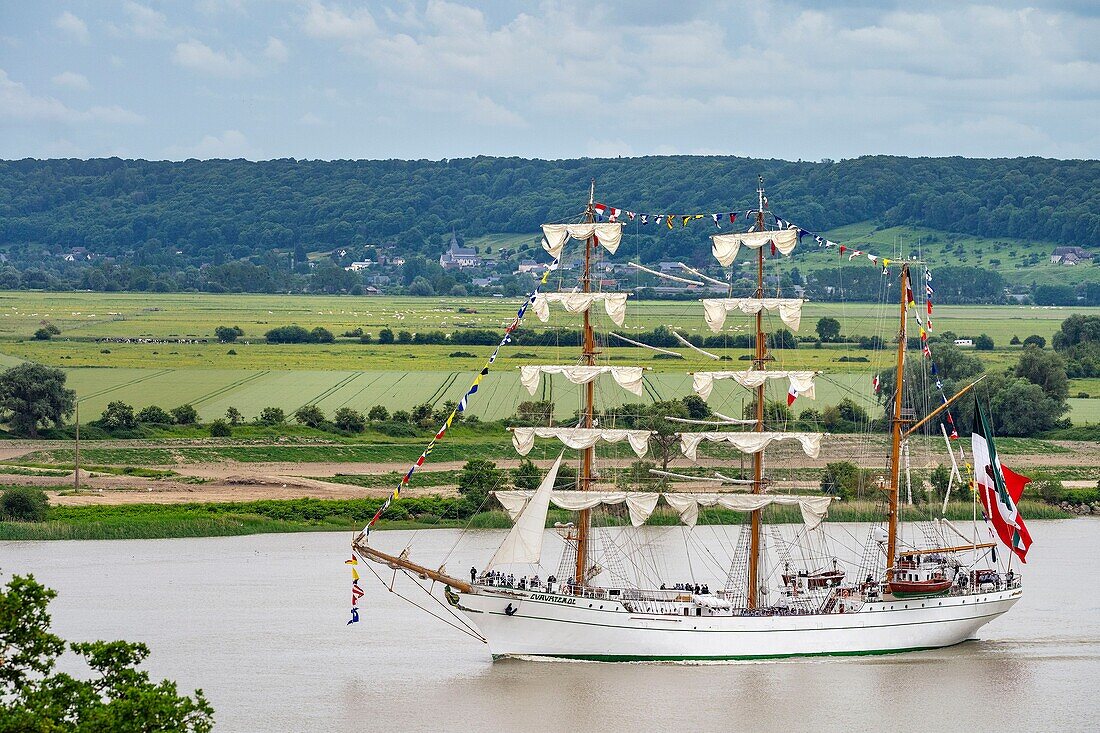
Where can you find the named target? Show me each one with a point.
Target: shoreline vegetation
(159, 521)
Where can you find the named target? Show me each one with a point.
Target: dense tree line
(239, 225)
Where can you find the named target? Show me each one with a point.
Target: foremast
(760, 357)
(584, 479)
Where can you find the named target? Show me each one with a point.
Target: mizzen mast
(759, 360)
(584, 480)
(897, 429)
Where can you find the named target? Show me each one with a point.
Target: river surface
(259, 623)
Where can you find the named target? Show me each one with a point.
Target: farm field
(124, 347)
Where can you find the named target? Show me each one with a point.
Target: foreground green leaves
(116, 697)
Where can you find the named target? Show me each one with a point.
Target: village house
(1069, 255)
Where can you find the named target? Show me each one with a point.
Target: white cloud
(276, 50)
(311, 120)
(229, 144)
(71, 80)
(333, 23)
(144, 22)
(18, 104)
(73, 26)
(197, 56)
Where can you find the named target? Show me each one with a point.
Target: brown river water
(259, 623)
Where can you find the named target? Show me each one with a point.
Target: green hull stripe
(729, 658)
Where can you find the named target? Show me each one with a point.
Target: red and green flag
(999, 489)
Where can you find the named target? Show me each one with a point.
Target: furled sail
(715, 309)
(629, 378)
(524, 541)
(725, 246)
(613, 303)
(524, 438)
(800, 382)
(609, 235)
(640, 504)
(749, 442)
(814, 508)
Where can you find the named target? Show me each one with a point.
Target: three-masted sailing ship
(902, 596)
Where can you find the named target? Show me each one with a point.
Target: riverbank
(156, 521)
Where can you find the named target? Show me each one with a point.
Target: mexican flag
(998, 488)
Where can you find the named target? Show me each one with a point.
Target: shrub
(24, 504)
(461, 355)
(220, 429)
(349, 420)
(287, 335)
(234, 416)
(185, 414)
(984, 342)
(271, 416)
(366, 338)
(385, 336)
(228, 334)
(378, 413)
(54, 330)
(42, 334)
(154, 415)
(397, 429)
(1035, 339)
(321, 335)
(1014, 341)
(401, 416)
(118, 416)
(422, 415)
(527, 475)
(845, 479)
(310, 415)
(477, 479)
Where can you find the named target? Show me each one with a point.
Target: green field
(399, 376)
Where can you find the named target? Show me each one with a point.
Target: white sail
(814, 508)
(613, 303)
(523, 439)
(802, 382)
(524, 541)
(629, 378)
(725, 246)
(750, 442)
(640, 504)
(609, 235)
(715, 309)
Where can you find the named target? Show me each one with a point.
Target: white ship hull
(581, 628)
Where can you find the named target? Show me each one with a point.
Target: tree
(664, 439)
(422, 415)
(828, 329)
(118, 416)
(271, 416)
(1020, 408)
(228, 334)
(1034, 340)
(776, 413)
(185, 414)
(385, 336)
(477, 479)
(421, 287)
(378, 413)
(23, 504)
(154, 415)
(527, 475)
(940, 478)
(1046, 369)
(33, 396)
(42, 334)
(783, 339)
(1015, 341)
(349, 420)
(220, 429)
(287, 335)
(116, 697)
(697, 408)
(234, 416)
(310, 415)
(845, 479)
(535, 411)
(984, 342)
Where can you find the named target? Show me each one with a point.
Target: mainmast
(759, 360)
(897, 430)
(584, 482)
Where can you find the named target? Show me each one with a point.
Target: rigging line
(713, 423)
(644, 346)
(665, 275)
(389, 587)
(692, 346)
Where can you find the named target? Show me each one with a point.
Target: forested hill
(180, 215)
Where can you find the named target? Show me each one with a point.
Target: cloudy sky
(433, 79)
